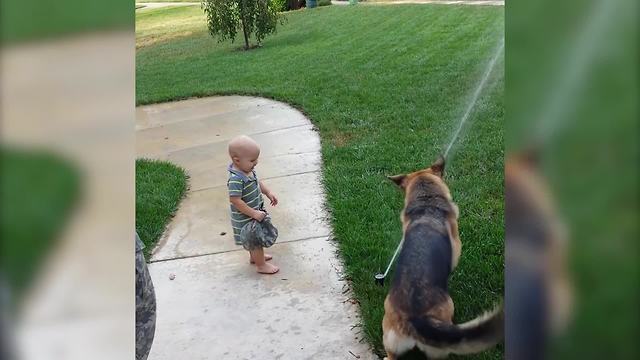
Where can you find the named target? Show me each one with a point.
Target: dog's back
(423, 268)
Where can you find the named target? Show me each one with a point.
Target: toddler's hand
(273, 198)
(259, 215)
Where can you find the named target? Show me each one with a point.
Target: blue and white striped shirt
(248, 188)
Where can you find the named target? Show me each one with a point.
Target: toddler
(245, 195)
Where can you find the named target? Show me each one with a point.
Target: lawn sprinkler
(380, 277)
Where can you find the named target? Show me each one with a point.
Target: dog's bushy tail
(471, 337)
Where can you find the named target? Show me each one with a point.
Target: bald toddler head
(244, 153)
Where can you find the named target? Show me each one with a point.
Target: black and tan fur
(418, 308)
(538, 291)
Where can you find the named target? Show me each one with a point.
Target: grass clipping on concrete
(160, 186)
(385, 86)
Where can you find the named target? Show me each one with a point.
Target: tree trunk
(294, 4)
(246, 38)
(244, 28)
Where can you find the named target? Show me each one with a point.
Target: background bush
(279, 5)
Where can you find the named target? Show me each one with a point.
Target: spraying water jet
(379, 278)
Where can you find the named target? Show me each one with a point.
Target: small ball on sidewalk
(172, 276)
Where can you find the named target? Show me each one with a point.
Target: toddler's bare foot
(267, 257)
(268, 269)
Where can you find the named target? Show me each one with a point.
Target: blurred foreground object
(572, 80)
(67, 109)
(538, 295)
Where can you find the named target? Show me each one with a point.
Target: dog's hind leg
(396, 344)
(456, 244)
(390, 356)
(394, 340)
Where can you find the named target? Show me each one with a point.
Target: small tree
(254, 17)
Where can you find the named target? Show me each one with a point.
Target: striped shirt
(248, 188)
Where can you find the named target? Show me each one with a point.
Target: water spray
(379, 278)
(474, 99)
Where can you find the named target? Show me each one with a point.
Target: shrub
(279, 5)
(324, 2)
(252, 17)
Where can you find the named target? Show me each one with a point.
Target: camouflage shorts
(145, 305)
(255, 235)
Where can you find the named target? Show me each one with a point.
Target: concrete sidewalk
(218, 307)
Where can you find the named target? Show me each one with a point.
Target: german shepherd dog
(538, 290)
(418, 310)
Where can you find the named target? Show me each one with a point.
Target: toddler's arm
(246, 209)
(265, 190)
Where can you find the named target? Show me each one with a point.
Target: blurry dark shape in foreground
(538, 295)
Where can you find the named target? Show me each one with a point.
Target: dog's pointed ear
(438, 166)
(398, 179)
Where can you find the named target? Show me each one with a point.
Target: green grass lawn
(159, 188)
(38, 191)
(161, 25)
(385, 85)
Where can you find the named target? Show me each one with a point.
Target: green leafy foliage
(279, 5)
(225, 18)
